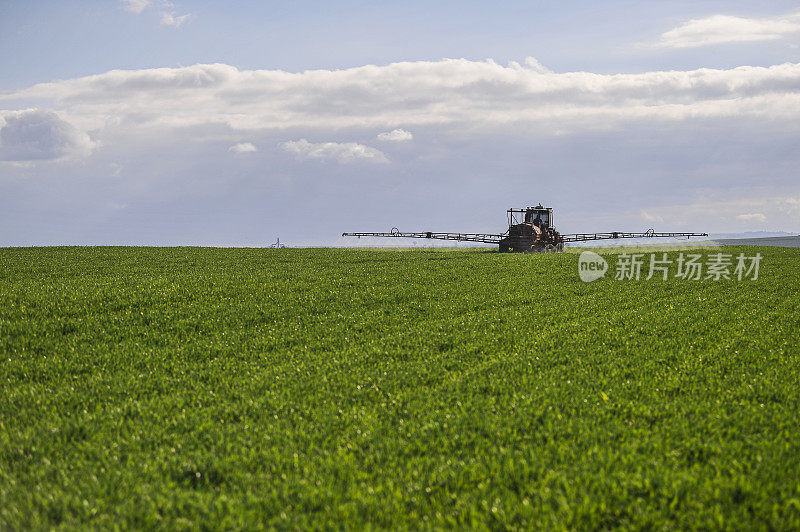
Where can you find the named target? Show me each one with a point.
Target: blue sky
(217, 123)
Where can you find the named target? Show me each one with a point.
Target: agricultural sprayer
(529, 230)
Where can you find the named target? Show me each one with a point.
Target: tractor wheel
(549, 248)
(503, 248)
(560, 247)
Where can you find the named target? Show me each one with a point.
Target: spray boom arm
(586, 237)
(462, 237)
(489, 238)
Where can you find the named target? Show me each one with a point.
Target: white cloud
(396, 135)
(720, 29)
(168, 18)
(726, 210)
(752, 217)
(39, 135)
(136, 6)
(243, 147)
(345, 152)
(648, 217)
(457, 93)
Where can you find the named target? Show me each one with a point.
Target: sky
(154, 122)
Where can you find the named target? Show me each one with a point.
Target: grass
(248, 388)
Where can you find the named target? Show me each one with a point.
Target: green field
(297, 388)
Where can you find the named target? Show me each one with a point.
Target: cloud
(646, 216)
(752, 217)
(136, 6)
(168, 18)
(243, 147)
(726, 209)
(459, 94)
(396, 135)
(39, 135)
(346, 152)
(721, 29)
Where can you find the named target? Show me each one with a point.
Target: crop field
(329, 388)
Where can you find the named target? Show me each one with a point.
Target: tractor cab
(541, 217)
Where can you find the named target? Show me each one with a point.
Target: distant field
(780, 241)
(189, 387)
